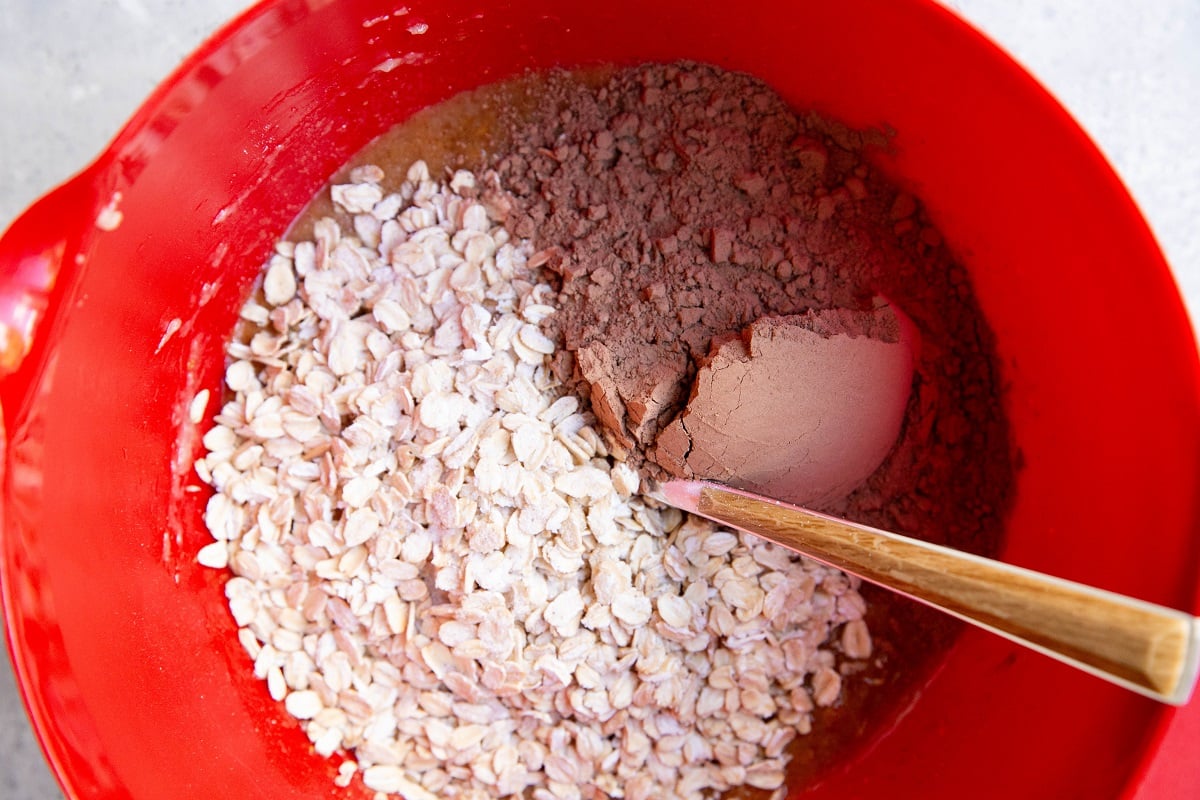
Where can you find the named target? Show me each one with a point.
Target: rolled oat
(438, 568)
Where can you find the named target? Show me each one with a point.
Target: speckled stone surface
(72, 71)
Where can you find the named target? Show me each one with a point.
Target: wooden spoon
(1148, 648)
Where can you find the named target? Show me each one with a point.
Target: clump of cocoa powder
(676, 204)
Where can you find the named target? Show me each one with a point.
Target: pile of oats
(439, 570)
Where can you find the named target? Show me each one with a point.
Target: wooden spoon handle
(1144, 647)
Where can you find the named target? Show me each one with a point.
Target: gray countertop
(72, 71)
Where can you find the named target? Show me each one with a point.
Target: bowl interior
(124, 648)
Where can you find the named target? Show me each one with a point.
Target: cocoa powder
(677, 204)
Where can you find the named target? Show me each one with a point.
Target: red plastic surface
(123, 647)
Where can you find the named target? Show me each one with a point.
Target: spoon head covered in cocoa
(803, 408)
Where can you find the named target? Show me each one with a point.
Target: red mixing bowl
(123, 647)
